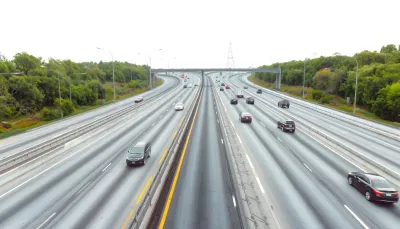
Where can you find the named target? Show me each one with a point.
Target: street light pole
(112, 57)
(150, 78)
(304, 75)
(59, 93)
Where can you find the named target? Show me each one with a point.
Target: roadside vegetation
(331, 81)
(29, 89)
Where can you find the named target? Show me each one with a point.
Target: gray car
(138, 154)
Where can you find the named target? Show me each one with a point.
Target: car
(190, 85)
(259, 91)
(139, 99)
(196, 85)
(179, 106)
(221, 88)
(287, 125)
(250, 100)
(185, 86)
(245, 117)
(245, 87)
(138, 154)
(240, 94)
(284, 103)
(234, 100)
(373, 186)
(222, 84)
(228, 87)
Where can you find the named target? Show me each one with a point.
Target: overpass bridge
(277, 71)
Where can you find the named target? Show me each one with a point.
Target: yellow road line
(162, 157)
(180, 123)
(173, 137)
(144, 189)
(171, 193)
(127, 219)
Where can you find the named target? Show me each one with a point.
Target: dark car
(185, 86)
(245, 87)
(138, 154)
(373, 186)
(245, 117)
(250, 100)
(222, 84)
(284, 103)
(234, 101)
(138, 99)
(259, 91)
(221, 88)
(288, 125)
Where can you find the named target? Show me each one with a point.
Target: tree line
(29, 84)
(378, 79)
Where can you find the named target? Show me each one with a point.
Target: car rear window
(381, 184)
(137, 150)
(246, 114)
(289, 122)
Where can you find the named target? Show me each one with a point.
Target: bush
(67, 106)
(317, 94)
(48, 114)
(326, 99)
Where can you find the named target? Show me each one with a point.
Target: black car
(250, 100)
(245, 87)
(185, 86)
(284, 103)
(259, 91)
(373, 186)
(288, 125)
(221, 88)
(234, 101)
(245, 117)
(138, 154)
(222, 84)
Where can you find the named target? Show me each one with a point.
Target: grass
(27, 122)
(337, 102)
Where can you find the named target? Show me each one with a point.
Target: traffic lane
(202, 198)
(44, 191)
(324, 119)
(360, 143)
(330, 172)
(290, 178)
(31, 137)
(109, 206)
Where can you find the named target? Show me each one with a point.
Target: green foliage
(387, 105)
(26, 62)
(317, 94)
(326, 98)
(48, 114)
(67, 106)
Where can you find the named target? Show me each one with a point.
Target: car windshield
(289, 122)
(137, 151)
(381, 184)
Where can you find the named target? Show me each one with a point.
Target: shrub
(48, 114)
(66, 105)
(326, 99)
(317, 94)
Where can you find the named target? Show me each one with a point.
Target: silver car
(179, 106)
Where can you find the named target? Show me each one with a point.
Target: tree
(389, 48)
(24, 90)
(26, 62)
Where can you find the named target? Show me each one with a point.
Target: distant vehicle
(288, 125)
(185, 86)
(373, 186)
(284, 103)
(222, 84)
(139, 99)
(240, 94)
(250, 100)
(190, 85)
(259, 91)
(245, 117)
(245, 87)
(228, 87)
(234, 101)
(185, 80)
(221, 88)
(179, 106)
(196, 85)
(138, 154)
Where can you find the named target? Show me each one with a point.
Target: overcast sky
(196, 33)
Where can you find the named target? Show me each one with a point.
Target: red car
(245, 117)
(228, 87)
(138, 99)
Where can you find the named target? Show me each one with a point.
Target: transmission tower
(230, 63)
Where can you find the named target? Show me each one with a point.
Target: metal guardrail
(50, 144)
(336, 114)
(146, 207)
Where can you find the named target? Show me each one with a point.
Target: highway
(203, 193)
(305, 180)
(93, 187)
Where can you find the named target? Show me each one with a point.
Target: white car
(190, 85)
(179, 106)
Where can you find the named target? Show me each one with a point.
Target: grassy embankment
(337, 102)
(24, 123)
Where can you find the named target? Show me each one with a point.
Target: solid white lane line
(222, 141)
(234, 201)
(251, 164)
(279, 139)
(355, 216)
(240, 140)
(106, 167)
(259, 184)
(47, 220)
(215, 112)
(262, 123)
(307, 167)
(231, 122)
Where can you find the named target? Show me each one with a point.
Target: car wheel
(149, 154)
(293, 131)
(368, 196)
(144, 161)
(350, 181)
(283, 129)
(288, 106)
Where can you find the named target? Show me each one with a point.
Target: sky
(188, 34)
